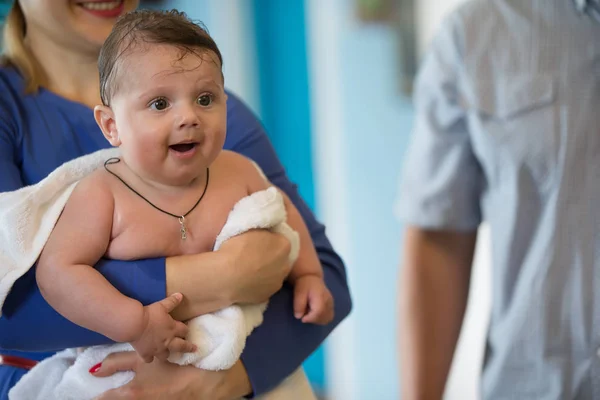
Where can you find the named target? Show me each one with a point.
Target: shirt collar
(589, 7)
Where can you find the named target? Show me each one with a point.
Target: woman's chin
(93, 29)
(93, 38)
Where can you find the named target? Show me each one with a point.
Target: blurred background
(331, 81)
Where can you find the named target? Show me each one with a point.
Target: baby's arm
(80, 293)
(312, 300)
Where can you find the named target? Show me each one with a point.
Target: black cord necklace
(181, 218)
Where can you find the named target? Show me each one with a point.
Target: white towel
(220, 336)
(28, 215)
(55, 377)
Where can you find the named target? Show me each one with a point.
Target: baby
(168, 194)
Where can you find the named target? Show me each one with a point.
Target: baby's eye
(205, 100)
(159, 104)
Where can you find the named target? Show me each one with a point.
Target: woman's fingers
(116, 362)
(264, 257)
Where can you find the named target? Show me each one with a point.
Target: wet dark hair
(144, 27)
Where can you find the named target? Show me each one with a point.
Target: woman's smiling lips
(104, 9)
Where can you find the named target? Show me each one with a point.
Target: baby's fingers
(321, 310)
(147, 358)
(179, 345)
(300, 303)
(169, 303)
(315, 307)
(163, 355)
(181, 329)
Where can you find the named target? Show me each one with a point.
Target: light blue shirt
(508, 131)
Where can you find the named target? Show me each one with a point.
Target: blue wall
(376, 122)
(284, 91)
(285, 109)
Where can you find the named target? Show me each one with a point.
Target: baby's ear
(105, 118)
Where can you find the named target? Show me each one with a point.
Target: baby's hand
(161, 333)
(312, 300)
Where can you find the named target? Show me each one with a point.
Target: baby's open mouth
(182, 147)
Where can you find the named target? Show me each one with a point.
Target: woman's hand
(163, 380)
(258, 263)
(248, 268)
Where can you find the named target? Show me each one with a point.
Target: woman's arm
(282, 343)
(28, 323)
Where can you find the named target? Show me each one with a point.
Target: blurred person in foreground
(507, 132)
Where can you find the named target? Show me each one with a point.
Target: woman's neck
(68, 73)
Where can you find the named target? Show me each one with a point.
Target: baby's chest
(141, 231)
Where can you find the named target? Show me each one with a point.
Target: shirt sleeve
(10, 175)
(280, 345)
(441, 181)
(28, 323)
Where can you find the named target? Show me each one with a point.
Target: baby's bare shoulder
(239, 168)
(92, 199)
(97, 182)
(232, 163)
(233, 159)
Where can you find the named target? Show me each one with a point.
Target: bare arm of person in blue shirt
(436, 271)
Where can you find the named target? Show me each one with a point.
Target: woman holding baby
(48, 87)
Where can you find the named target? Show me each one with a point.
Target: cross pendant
(183, 229)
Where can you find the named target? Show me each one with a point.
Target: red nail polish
(95, 368)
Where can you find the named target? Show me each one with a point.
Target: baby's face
(170, 112)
